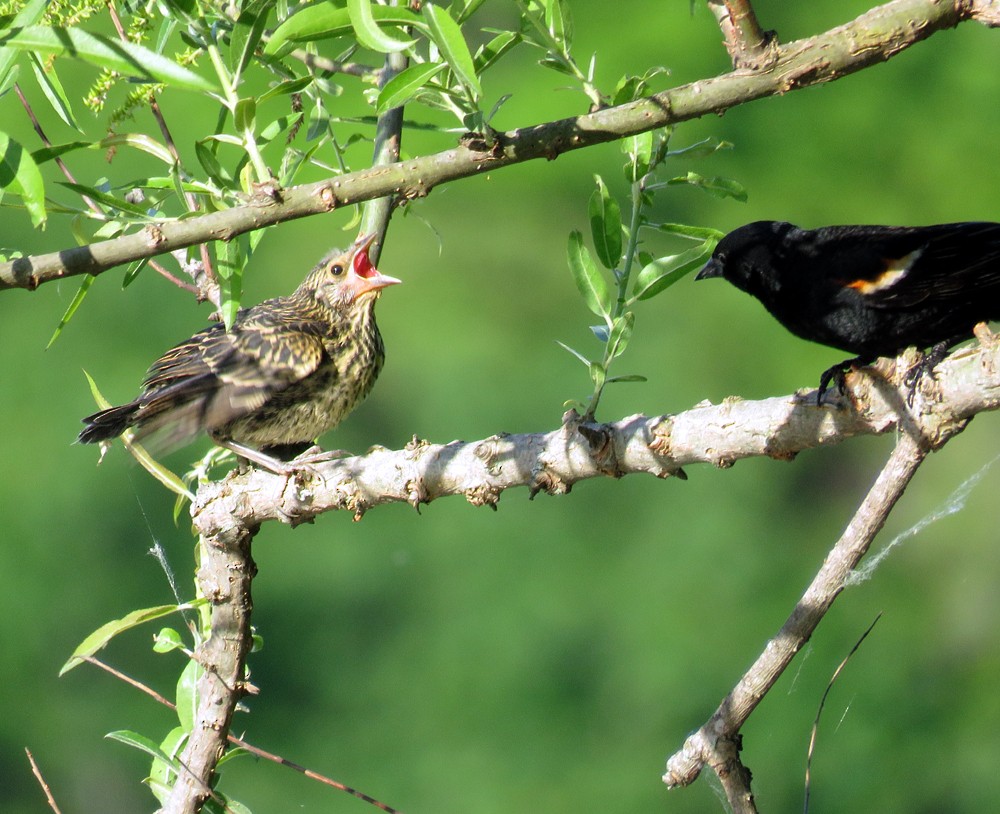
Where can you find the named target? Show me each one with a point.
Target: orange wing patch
(894, 271)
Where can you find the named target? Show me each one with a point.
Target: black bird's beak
(713, 268)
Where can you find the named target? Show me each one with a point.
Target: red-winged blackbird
(868, 290)
(288, 370)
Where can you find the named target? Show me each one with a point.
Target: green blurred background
(551, 655)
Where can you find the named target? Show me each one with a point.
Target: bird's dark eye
(336, 269)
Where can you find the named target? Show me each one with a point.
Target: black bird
(868, 290)
(287, 371)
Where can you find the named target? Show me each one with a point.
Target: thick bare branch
(224, 576)
(967, 383)
(873, 37)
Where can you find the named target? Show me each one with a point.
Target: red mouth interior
(362, 265)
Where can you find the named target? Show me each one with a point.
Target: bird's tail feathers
(108, 424)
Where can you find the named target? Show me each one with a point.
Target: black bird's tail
(108, 424)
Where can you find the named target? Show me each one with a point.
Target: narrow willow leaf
(138, 141)
(29, 15)
(469, 7)
(43, 154)
(716, 186)
(156, 469)
(143, 744)
(20, 174)
(330, 18)
(405, 85)
(489, 53)
(368, 32)
(167, 640)
(559, 23)
(124, 57)
(598, 375)
(284, 88)
(621, 333)
(187, 694)
(577, 354)
(588, 279)
(605, 225)
(106, 632)
(639, 149)
(211, 165)
(245, 114)
(447, 35)
(161, 775)
(701, 149)
(231, 262)
(107, 199)
(247, 32)
(665, 271)
(702, 233)
(601, 332)
(81, 293)
(48, 81)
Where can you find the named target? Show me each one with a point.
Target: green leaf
(284, 88)
(559, 23)
(577, 354)
(247, 32)
(212, 166)
(231, 262)
(29, 15)
(187, 694)
(108, 200)
(161, 775)
(167, 640)
(639, 150)
(20, 174)
(606, 225)
(716, 186)
(143, 744)
(330, 18)
(598, 374)
(405, 85)
(81, 293)
(489, 53)
(48, 81)
(138, 141)
(621, 333)
(665, 271)
(447, 35)
(123, 57)
(631, 377)
(701, 149)
(702, 233)
(245, 114)
(588, 279)
(106, 632)
(368, 32)
(469, 7)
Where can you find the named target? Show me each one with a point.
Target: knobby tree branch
(749, 46)
(719, 434)
(875, 36)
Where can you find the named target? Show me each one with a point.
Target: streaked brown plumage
(289, 369)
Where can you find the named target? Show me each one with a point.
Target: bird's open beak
(713, 268)
(367, 277)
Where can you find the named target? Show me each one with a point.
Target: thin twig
(319, 63)
(822, 703)
(256, 750)
(712, 743)
(41, 781)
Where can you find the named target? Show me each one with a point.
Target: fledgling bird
(868, 290)
(287, 371)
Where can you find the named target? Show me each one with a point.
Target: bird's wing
(217, 376)
(952, 262)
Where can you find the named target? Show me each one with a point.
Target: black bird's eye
(336, 269)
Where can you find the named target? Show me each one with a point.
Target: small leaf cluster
(628, 273)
